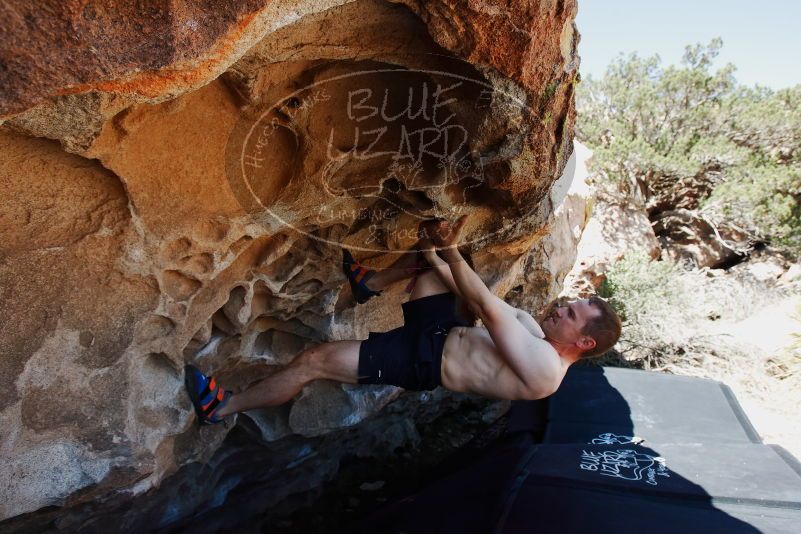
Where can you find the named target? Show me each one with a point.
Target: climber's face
(563, 324)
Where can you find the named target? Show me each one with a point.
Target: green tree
(691, 137)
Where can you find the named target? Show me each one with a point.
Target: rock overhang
(188, 260)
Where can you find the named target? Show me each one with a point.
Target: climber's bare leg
(429, 283)
(337, 360)
(404, 267)
(407, 264)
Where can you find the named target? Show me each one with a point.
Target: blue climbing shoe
(358, 277)
(206, 396)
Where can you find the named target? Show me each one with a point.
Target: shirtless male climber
(510, 357)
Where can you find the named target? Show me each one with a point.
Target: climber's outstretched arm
(440, 266)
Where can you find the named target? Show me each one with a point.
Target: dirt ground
(772, 405)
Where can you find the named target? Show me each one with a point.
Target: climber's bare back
(471, 364)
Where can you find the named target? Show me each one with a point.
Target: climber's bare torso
(471, 364)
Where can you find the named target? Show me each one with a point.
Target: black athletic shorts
(411, 356)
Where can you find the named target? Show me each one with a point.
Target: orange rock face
(150, 48)
(179, 179)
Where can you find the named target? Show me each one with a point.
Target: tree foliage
(689, 136)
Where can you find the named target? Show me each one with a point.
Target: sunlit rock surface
(614, 226)
(690, 239)
(179, 179)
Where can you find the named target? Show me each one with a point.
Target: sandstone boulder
(179, 181)
(689, 238)
(614, 230)
(548, 264)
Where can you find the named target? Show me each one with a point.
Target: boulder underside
(179, 181)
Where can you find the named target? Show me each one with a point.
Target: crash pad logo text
(627, 464)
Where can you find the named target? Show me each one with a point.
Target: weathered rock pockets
(132, 243)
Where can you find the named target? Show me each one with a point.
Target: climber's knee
(312, 360)
(428, 284)
(337, 360)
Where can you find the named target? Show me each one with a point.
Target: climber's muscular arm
(528, 322)
(443, 270)
(529, 357)
(519, 348)
(440, 267)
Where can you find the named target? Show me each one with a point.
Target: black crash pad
(662, 408)
(616, 450)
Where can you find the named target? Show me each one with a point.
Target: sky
(762, 39)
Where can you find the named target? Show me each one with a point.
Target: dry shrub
(787, 366)
(672, 318)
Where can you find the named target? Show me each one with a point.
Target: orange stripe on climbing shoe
(212, 384)
(358, 277)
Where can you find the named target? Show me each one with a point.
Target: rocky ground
(771, 333)
(363, 485)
